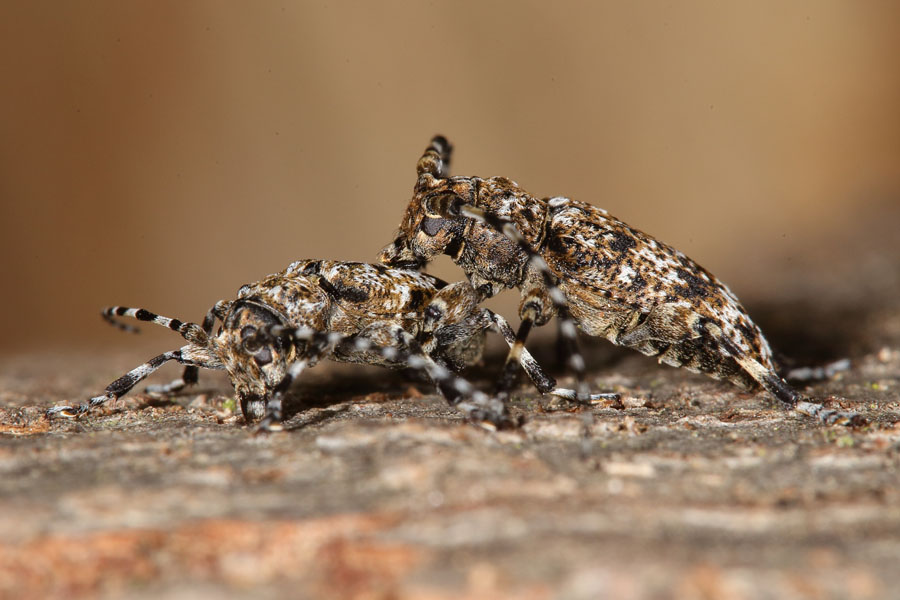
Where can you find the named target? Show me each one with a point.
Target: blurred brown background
(160, 154)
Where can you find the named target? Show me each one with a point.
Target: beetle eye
(248, 339)
(263, 356)
(432, 225)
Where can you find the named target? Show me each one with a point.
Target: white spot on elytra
(626, 275)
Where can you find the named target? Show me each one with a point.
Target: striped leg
(190, 374)
(123, 384)
(190, 331)
(479, 407)
(790, 398)
(318, 344)
(126, 327)
(514, 358)
(543, 382)
(818, 373)
(569, 340)
(453, 207)
(475, 405)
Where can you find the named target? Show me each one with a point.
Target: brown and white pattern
(343, 311)
(575, 261)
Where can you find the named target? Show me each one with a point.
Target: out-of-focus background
(160, 154)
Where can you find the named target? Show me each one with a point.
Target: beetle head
(255, 363)
(431, 226)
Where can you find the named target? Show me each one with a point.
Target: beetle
(575, 261)
(345, 311)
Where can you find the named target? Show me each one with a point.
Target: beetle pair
(569, 259)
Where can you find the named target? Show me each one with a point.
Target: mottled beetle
(576, 261)
(345, 311)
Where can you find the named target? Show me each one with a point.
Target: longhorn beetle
(576, 261)
(349, 312)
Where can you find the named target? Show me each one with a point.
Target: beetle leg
(790, 398)
(543, 382)
(190, 376)
(126, 382)
(402, 348)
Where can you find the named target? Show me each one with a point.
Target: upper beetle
(574, 260)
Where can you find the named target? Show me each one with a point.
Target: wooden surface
(378, 490)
